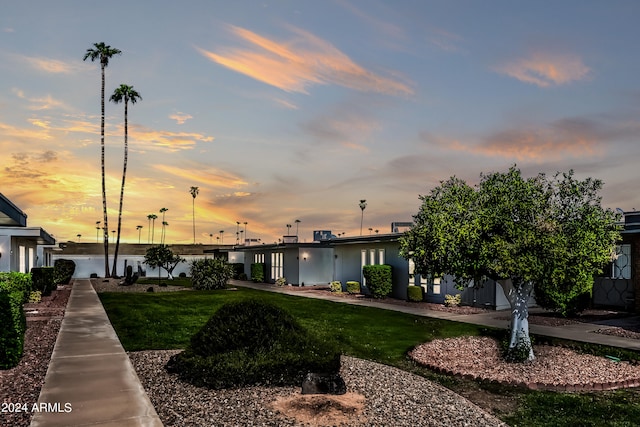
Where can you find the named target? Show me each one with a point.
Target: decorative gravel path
(392, 398)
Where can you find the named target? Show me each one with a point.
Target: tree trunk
(104, 186)
(518, 294)
(124, 174)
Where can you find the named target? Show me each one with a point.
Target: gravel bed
(112, 285)
(392, 397)
(22, 384)
(554, 367)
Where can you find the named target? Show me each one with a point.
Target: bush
(452, 300)
(210, 273)
(257, 272)
(63, 270)
(35, 297)
(415, 293)
(93, 276)
(253, 343)
(17, 282)
(282, 281)
(238, 269)
(336, 286)
(43, 279)
(13, 327)
(378, 279)
(568, 300)
(243, 276)
(353, 287)
(182, 274)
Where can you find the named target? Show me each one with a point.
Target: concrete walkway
(583, 332)
(90, 380)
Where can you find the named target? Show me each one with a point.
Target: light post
(97, 229)
(288, 228)
(222, 237)
(139, 228)
(246, 236)
(297, 221)
(363, 204)
(237, 232)
(210, 238)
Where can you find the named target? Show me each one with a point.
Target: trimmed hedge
(63, 270)
(252, 343)
(210, 273)
(43, 279)
(353, 287)
(415, 293)
(14, 324)
(17, 282)
(378, 279)
(257, 272)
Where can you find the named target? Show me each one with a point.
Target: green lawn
(145, 321)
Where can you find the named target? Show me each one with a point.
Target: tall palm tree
(162, 211)
(165, 224)
(126, 94)
(194, 192)
(103, 53)
(153, 226)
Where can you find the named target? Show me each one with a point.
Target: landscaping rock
(323, 384)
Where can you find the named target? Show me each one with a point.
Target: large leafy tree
(103, 53)
(548, 233)
(161, 256)
(126, 94)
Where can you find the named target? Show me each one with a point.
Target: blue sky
(291, 110)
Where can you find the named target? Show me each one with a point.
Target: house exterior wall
(317, 268)
(349, 261)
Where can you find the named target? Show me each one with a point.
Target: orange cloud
(171, 141)
(573, 138)
(49, 65)
(204, 175)
(307, 60)
(180, 117)
(544, 69)
(43, 103)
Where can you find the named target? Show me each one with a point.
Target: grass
(177, 281)
(148, 321)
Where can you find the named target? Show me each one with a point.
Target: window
(380, 256)
(22, 254)
(32, 258)
(258, 258)
(621, 265)
(276, 265)
(436, 285)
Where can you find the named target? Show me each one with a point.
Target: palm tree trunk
(124, 174)
(193, 214)
(104, 186)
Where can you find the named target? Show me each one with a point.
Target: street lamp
(363, 204)
(288, 228)
(139, 228)
(297, 221)
(246, 236)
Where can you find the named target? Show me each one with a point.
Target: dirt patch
(321, 409)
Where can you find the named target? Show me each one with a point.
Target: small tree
(551, 234)
(162, 257)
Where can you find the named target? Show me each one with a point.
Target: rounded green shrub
(249, 343)
(210, 273)
(415, 293)
(17, 282)
(378, 279)
(336, 286)
(353, 287)
(43, 279)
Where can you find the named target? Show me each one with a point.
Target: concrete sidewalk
(90, 380)
(583, 332)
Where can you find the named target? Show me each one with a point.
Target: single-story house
(21, 247)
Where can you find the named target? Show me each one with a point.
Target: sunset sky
(285, 110)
